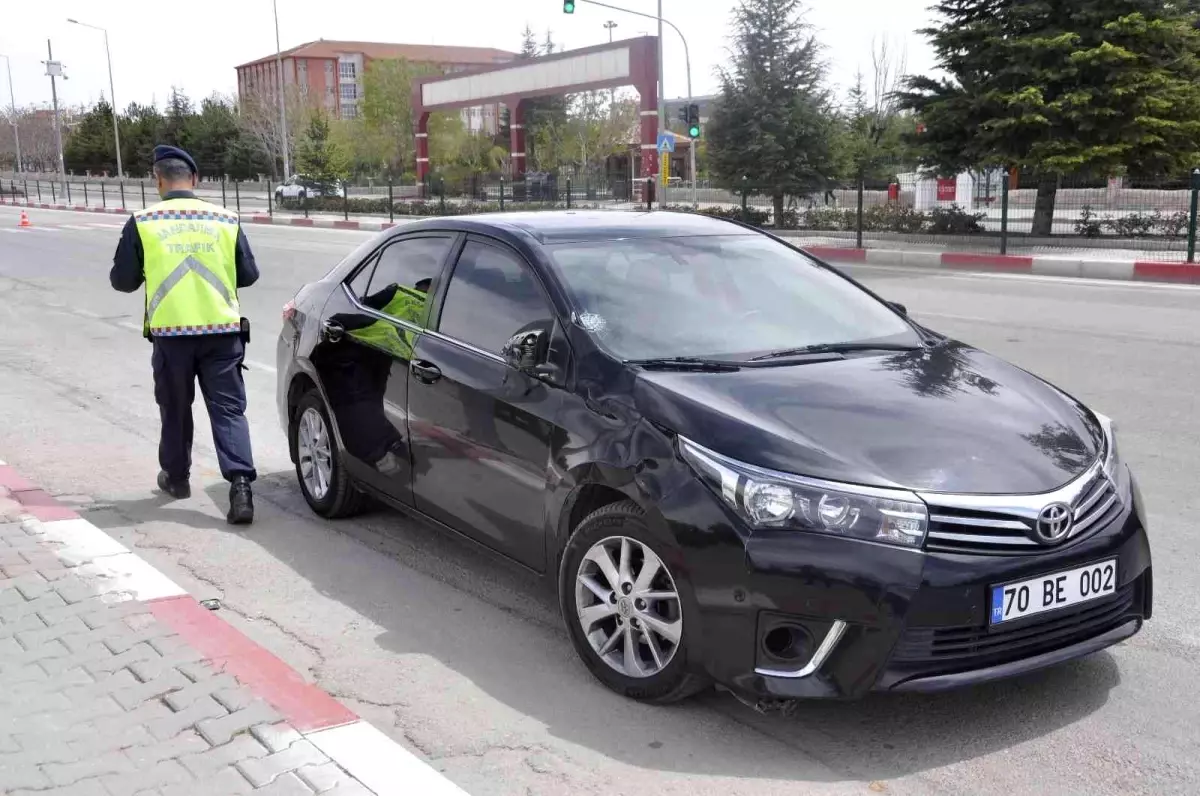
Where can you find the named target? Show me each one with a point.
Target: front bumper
(904, 620)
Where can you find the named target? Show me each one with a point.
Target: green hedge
(419, 207)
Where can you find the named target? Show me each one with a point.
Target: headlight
(769, 499)
(1113, 467)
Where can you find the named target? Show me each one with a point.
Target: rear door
(369, 329)
(481, 430)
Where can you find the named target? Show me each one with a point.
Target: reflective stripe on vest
(190, 253)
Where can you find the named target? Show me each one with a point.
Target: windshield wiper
(835, 348)
(698, 364)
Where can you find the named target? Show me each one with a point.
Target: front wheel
(624, 610)
(319, 469)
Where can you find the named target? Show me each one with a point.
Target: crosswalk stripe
(106, 226)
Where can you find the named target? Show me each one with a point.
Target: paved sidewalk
(113, 682)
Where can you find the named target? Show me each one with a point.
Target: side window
(403, 274)
(361, 280)
(492, 295)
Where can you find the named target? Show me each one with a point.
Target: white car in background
(301, 187)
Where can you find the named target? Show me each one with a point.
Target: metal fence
(986, 212)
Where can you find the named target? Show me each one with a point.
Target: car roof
(571, 226)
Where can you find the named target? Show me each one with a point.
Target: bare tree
(38, 147)
(259, 116)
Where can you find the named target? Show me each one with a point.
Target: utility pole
(662, 108)
(13, 100)
(55, 69)
(112, 94)
(610, 25)
(287, 169)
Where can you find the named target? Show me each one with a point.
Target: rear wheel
(624, 609)
(319, 468)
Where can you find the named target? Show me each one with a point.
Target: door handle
(332, 331)
(427, 372)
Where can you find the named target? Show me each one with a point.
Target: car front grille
(955, 529)
(949, 649)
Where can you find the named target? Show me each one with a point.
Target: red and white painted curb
(383, 766)
(1041, 265)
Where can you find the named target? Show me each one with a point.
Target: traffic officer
(193, 257)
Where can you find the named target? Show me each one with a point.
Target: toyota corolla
(734, 463)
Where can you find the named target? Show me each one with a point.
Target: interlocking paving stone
(98, 698)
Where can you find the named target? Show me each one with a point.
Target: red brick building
(331, 73)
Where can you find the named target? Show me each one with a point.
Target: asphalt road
(463, 658)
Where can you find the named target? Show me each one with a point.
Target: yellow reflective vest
(407, 304)
(190, 261)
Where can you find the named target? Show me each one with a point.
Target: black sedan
(736, 464)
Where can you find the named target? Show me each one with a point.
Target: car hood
(945, 419)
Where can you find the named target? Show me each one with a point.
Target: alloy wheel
(628, 606)
(315, 452)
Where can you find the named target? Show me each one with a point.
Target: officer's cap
(165, 152)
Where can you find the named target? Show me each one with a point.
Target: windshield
(725, 295)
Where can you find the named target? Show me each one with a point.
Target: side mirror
(526, 350)
(898, 307)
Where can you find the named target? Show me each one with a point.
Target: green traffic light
(568, 7)
(694, 131)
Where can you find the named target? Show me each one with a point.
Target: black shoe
(180, 490)
(241, 502)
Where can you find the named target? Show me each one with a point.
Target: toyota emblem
(1053, 523)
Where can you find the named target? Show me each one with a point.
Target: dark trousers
(216, 361)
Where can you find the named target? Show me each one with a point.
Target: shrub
(823, 218)
(892, 217)
(1088, 225)
(753, 215)
(1133, 225)
(1173, 225)
(955, 221)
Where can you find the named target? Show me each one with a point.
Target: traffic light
(693, 120)
(568, 6)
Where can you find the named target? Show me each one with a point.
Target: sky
(198, 50)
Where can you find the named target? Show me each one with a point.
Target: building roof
(420, 53)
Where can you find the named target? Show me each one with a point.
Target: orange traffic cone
(24, 222)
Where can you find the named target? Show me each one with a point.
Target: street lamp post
(282, 105)
(609, 26)
(13, 100)
(112, 94)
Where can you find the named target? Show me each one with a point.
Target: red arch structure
(632, 62)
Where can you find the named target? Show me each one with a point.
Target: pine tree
(773, 123)
(175, 120)
(1091, 87)
(89, 148)
(318, 156)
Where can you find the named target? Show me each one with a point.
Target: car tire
(676, 679)
(339, 496)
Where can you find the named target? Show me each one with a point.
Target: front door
(364, 361)
(481, 430)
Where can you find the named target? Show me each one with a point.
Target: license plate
(1051, 592)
